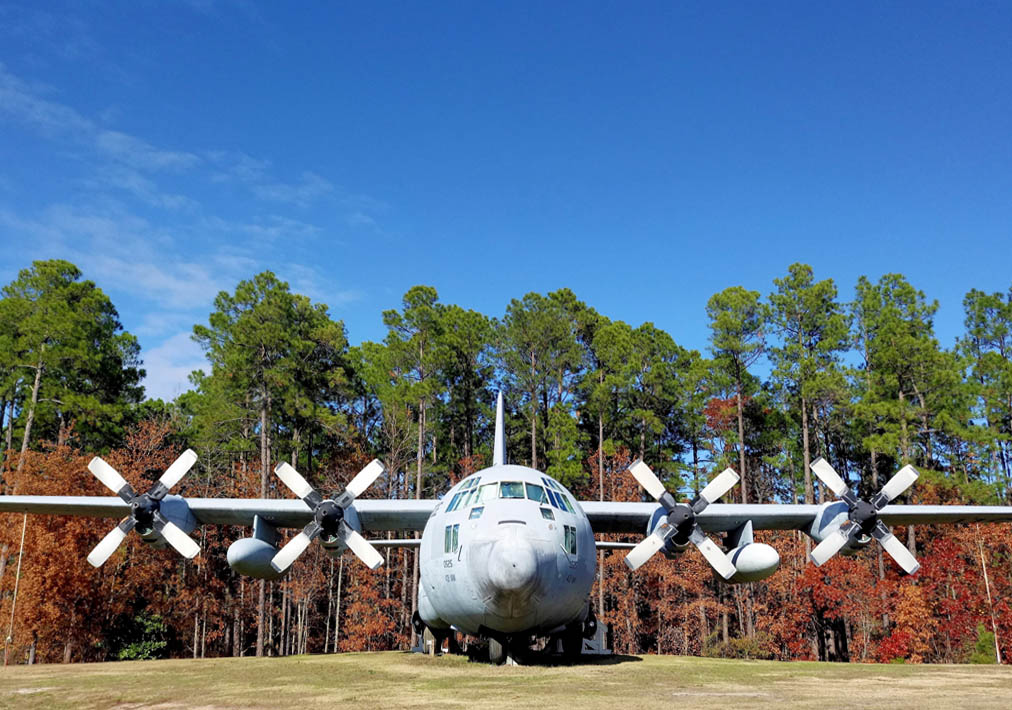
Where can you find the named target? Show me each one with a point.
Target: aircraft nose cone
(513, 565)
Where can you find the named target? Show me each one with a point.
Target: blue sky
(645, 155)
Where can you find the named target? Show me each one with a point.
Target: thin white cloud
(169, 365)
(120, 251)
(142, 188)
(307, 190)
(255, 174)
(265, 229)
(142, 155)
(25, 103)
(169, 265)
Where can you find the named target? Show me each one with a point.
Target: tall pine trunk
(265, 465)
(741, 445)
(31, 415)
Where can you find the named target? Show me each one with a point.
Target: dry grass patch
(399, 680)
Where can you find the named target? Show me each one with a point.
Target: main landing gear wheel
(572, 642)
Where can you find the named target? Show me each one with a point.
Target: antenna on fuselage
(499, 451)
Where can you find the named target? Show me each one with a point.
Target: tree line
(789, 376)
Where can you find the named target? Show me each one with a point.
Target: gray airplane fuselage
(507, 551)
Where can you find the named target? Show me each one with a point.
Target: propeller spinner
(328, 517)
(145, 509)
(680, 527)
(863, 518)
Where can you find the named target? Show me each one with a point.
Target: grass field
(399, 680)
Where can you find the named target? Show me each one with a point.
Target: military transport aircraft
(508, 553)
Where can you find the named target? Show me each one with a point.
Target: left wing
(374, 514)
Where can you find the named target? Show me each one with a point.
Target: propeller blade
(109, 477)
(831, 545)
(828, 475)
(295, 482)
(360, 546)
(639, 555)
(180, 541)
(365, 478)
(719, 486)
(903, 479)
(108, 544)
(713, 554)
(896, 549)
(291, 551)
(179, 468)
(646, 478)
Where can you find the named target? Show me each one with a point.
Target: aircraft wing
(374, 514)
(615, 517)
(408, 514)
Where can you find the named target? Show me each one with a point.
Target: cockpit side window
(450, 538)
(536, 493)
(570, 544)
(489, 492)
(511, 489)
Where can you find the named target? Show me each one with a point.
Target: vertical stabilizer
(499, 452)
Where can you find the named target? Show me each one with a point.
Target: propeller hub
(863, 513)
(328, 515)
(143, 509)
(680, 516)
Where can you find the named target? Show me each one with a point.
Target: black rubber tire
(572, 643)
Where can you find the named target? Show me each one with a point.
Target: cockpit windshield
(488, 492)
(512, 489)
(536, 493)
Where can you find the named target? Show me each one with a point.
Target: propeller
(862, 519)
(145, 509)
(328, 517)
(680, 527)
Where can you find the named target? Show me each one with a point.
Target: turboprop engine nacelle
(829, 519)
(752, 560)
(174, 509)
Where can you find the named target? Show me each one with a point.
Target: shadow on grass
(540, 658)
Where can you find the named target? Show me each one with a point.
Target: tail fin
(499, 452)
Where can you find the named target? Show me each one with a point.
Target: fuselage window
(470, 497)
(566, 504)
(450, 538)
(511, 489)
(535, 492)
(453, 503)
(476, 512)
(570, 539)
(456, 530)
(547, 514)
(488, 492)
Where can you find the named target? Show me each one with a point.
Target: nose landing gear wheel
(496, 652)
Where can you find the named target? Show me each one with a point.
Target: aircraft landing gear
(572, 642)
(509, 651)
(496, 652)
